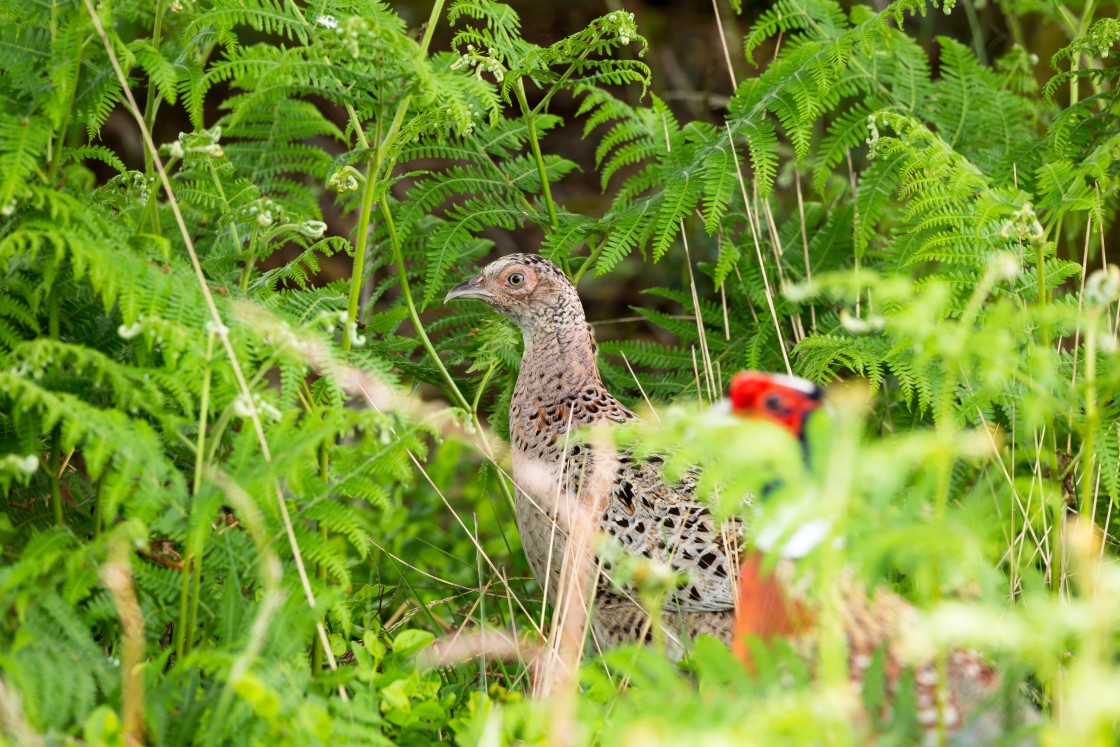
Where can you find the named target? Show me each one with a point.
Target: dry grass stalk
(758, 253)
(117, 577)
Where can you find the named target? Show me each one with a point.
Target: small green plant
(227, 517)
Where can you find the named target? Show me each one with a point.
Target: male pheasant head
(531, 291)
(785, 400)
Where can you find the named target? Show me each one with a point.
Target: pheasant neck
(765, 610)
(559, 362)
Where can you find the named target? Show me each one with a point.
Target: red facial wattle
(784, 400)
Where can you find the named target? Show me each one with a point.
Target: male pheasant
(559, 389)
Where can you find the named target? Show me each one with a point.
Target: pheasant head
(531, 291)
(785, 400)
(536, 295)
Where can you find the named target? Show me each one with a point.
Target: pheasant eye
(515, 279)
(773, 403)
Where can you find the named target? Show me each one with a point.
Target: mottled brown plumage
(559, 389)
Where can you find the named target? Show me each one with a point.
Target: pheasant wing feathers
(654, 519)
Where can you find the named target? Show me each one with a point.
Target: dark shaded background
(688, 71)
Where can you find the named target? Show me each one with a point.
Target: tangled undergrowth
(228, 517)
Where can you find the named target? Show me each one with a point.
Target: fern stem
(841, 477)
(55, 469)
(563, 78)
(482, 387)
(1076, 29)
(225, 201)
(413, 314)
(98, 506)
(151, 104)
(1092, 416)
(316, 642)
(64, 128)
(188, 593)
(295, 9)
(52, 311)
(398, 118)
(1043, 296)
(203, 412)
(184, 609)
(316, 656)
(590, 258)
(534, 141)
(482, 154)
(378, 158)
(250, 259)
(530, 125)
(357, 275)
(55, 463)
(976, 31)
(196, 585)
(361, 239)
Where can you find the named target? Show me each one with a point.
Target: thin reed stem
(413, 314)
(117, 577)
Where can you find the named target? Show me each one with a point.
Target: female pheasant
(559, 389)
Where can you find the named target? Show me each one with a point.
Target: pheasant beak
(469, 289)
